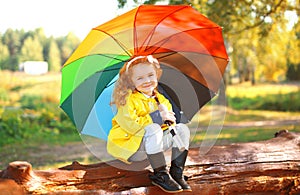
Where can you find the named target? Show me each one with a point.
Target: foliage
(30, 121)
(283, 97)
(31, 50)
(3, 96)
(4, 54)
(67, 45)
(17, 46)
(29, 108)
(54, 58)
(257, 36)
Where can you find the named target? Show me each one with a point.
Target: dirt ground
(86, 152)
(45, 156)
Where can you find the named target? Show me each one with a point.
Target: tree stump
(265, 167)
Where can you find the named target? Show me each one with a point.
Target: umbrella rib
(174, 52)
(135, 33)
(168, 54)
(118, 42)
(149, 37)
(112, 57)
(110, 84)
(108, 69)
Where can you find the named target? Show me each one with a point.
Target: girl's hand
(165, 114)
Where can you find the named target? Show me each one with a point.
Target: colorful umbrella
(188, 45)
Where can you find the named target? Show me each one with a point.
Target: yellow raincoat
(128, 125)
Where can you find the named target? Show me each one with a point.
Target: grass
(209, 115)
(30, 103)
(246, 90)
(229, 126)
(239, 135)
(277, 97)
(14, 85)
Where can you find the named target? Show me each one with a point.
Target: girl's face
(144, 78)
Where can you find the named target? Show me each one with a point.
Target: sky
(58, 17)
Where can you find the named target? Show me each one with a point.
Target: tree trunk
(266, 167)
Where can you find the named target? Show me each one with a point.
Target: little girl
(138, 129)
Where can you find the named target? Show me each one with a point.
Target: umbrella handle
(173, 130)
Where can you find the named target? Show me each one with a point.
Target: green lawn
(238, 135)
(240, 125)
(33, 127)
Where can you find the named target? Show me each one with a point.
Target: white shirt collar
(147, 96)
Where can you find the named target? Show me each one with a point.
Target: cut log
(265, 167)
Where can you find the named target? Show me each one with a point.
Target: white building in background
(34, 67)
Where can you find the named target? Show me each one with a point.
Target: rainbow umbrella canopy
(189, 47)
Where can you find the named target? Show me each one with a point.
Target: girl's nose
(147, 80)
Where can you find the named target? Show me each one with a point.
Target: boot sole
(187, 190)
(165, 189)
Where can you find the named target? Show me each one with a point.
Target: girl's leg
(184, 134)
(153, 141)
(179, 157)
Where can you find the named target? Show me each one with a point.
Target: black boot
(177, 166)
(161, 177)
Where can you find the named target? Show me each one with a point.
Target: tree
(32, 50)
(40, 35)
(67, 45)
(293, 54)
(272, 54)
(4, 56)
(54, 58)
(256, 30)
(12, 39)
(34, 45)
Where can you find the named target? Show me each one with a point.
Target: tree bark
(265, 167)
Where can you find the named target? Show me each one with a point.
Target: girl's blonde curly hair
(124, 84)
